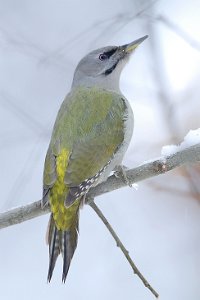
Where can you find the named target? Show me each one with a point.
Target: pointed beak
(133, 45)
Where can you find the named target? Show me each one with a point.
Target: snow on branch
(146, 170)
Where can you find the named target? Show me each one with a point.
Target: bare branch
(123, 249)
(144, 171)
(167, 104)
(22, 214)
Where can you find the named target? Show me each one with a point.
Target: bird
(91, 134)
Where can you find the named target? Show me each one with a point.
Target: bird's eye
(103, 56)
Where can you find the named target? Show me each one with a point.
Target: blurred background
(41, 43)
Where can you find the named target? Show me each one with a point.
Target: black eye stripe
(111, 52)
(107, 54)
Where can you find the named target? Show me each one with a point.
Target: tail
(63, 242)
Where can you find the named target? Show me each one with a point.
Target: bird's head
(102, 67)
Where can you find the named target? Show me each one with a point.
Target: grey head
(102, 67)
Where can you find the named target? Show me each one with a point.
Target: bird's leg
(120, 172)
(45, 199)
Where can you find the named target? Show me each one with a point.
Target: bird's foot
(120, 172)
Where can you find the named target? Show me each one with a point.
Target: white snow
(135, 186)
(192, 138)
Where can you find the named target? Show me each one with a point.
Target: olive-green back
(90, 126)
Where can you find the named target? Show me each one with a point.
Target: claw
(120, 172)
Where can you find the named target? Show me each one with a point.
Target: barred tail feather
(54, 247)
(64, 242)
(70, 238)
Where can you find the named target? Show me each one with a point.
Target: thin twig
(146, 170)
(123, 249)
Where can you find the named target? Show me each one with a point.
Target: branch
(123, 249)
(165, 99)
(144, 171)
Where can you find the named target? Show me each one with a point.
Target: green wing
(90, 125)
(91, 154)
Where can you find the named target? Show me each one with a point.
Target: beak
(133, 45)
